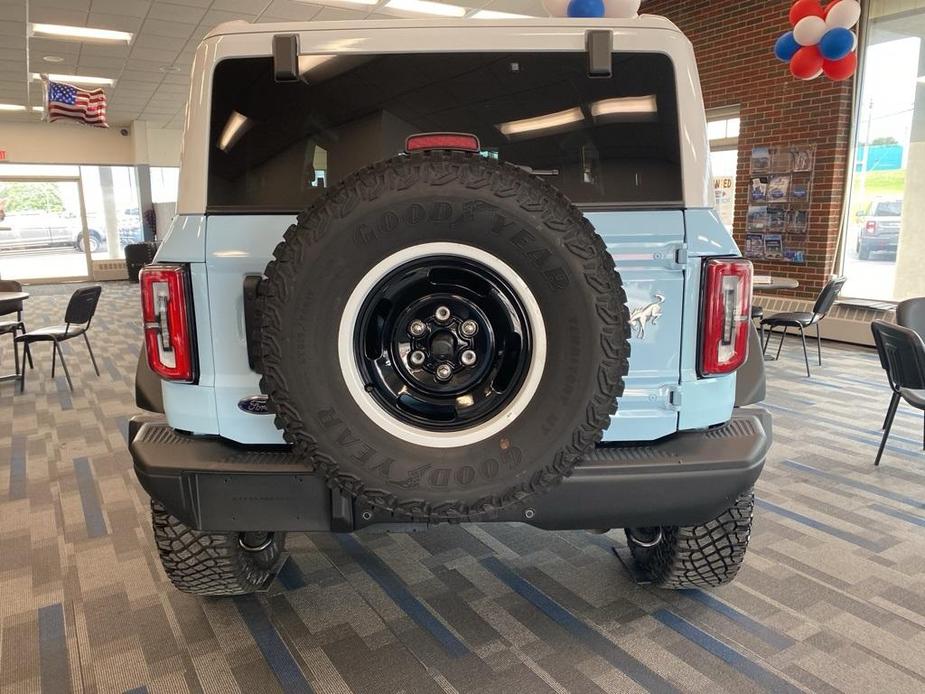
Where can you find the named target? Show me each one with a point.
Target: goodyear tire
(697, 556)
(204, 563)
(443, 335)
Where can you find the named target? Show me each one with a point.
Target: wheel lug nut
(442, 314)
(417, 358)
(417, 328)
(469, 328)
(444, 372)
(468, 358)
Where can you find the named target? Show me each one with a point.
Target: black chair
(8, 308)
(902, 355)
(77, 319)
(804, 319)
(909, 314)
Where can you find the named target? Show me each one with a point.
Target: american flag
(73, 103)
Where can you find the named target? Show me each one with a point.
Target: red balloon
(806, 63)
(840, 70)
(805, 8)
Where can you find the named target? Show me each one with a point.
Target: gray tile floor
(832, 597)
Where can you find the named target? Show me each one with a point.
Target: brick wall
(733, 42)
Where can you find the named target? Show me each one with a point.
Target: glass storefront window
(113, 214)
(884, 235)
(723, 132)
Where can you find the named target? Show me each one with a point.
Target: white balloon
(810, 30)
(556, 8)
(621, 8)
(854, 46)
(844, 13)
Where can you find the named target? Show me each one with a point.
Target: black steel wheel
(443, 343)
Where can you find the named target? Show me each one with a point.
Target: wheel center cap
(443, 345)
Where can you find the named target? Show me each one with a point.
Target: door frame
(85, 233)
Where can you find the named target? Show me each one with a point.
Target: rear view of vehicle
(878, 228)
(407, 287)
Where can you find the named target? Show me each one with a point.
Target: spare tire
(443, 335)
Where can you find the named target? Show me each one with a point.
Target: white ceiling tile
(287, 10)
(154, 55)
(56, 15)
(133, 8)
(241, 7)
(12, 29)
(105, 50)
(336, 13)
(61, 4)
(164, 43)
(191, 3)
(117, 22)
(40, 46)
(158, 27)
(13, 10)
(169, 12)
(139, 76)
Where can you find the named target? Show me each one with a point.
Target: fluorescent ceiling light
(551, 120)
(12, 107)
(625, 106)
(77, 79)
(81, 33)
(427, 7)
(234, 129)
(492, 14)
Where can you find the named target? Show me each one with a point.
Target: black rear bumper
(687, 479)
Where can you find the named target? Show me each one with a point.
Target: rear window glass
(889, 209)
(607, 142)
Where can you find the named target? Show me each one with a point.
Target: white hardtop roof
(640, 22)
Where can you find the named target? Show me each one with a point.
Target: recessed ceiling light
(52, 58)
(77, 79)
(80, 33)
(427, 7)
(492, 14)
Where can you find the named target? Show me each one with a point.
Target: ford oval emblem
(255, 404)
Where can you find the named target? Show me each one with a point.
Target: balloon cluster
(592, 8)
(821, 41)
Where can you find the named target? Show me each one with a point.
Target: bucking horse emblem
(647, 315)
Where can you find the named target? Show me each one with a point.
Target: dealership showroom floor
(409, 271)
(831, 596)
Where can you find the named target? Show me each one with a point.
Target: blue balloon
(586, 8)
(786, 47)
(836, 43)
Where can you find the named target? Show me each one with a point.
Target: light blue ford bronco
(447, 271)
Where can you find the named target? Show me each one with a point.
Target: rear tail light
(727, 308)
(166, 314)
(871, 227)
(463, 142)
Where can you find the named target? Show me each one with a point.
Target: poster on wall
(758, 190)
(761, 160)
(724, 192)
(754, 245)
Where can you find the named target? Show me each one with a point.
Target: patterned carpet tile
(831, 598)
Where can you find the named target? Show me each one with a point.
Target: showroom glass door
(43, 230)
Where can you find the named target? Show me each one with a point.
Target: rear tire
(863, 251)
(699, 556)
(215, 564)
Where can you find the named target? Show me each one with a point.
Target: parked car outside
(879, 224)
